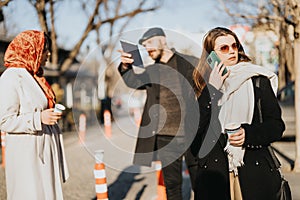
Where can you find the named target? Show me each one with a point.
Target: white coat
(32, 166)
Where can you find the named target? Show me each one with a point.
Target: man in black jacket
(171, 115)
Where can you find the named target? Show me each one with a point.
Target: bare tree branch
(40, 7)
(227, 10)
(4, 3)
(91, 26)
(102, 12)
(130, 14)
(53, 36)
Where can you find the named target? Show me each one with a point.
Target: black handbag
(284, 192)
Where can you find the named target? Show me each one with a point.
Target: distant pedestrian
(168, 83)
(238, 164)
(35, 158)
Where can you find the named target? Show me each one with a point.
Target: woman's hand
(126, 59)
(49, 117)
(216, 79)
(238, 138)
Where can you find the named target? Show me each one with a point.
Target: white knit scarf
(237, 103)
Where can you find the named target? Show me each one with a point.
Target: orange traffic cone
(137, 116)
(82, 128)
(107, 123)
(3, 148)
(100, 177)
(161, 188)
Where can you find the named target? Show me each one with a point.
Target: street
(126, 181)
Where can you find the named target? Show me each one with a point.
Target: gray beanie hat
(151, 33)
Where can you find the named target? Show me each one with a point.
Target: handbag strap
(270, 148)
(257, 84)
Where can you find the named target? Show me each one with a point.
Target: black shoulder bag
(284, 192)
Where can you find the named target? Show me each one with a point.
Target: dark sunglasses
(225, 48)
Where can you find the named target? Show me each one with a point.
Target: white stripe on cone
(101, 188)
(99, 173)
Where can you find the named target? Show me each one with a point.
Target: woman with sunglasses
(232, 140)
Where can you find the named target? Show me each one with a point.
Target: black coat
(213, 173)
(149, 81)
(259, 178)
(257, 159)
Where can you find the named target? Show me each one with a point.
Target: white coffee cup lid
(59, 107)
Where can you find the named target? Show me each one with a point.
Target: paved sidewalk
(122, 184)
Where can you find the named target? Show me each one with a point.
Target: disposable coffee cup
(59, 108)
(232, 129)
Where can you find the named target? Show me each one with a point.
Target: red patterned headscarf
(25, 51)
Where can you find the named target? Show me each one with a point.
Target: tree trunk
(54, 54)
(40, 8)
(297, 89)
(282, 61)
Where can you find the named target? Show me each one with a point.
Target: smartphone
(133, 49)
(212, 59)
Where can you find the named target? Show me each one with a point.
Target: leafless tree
(297, 81)
(100, 13)
(270, 15)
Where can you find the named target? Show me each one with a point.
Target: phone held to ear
(212, 59)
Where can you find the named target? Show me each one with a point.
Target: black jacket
(259, 166)
(149, 81)
(259, 178)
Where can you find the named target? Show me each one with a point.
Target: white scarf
(237, 103)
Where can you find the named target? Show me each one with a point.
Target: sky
(193, 16)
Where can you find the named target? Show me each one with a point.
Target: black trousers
(170, 152)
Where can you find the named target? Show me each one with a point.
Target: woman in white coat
(35, 162)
